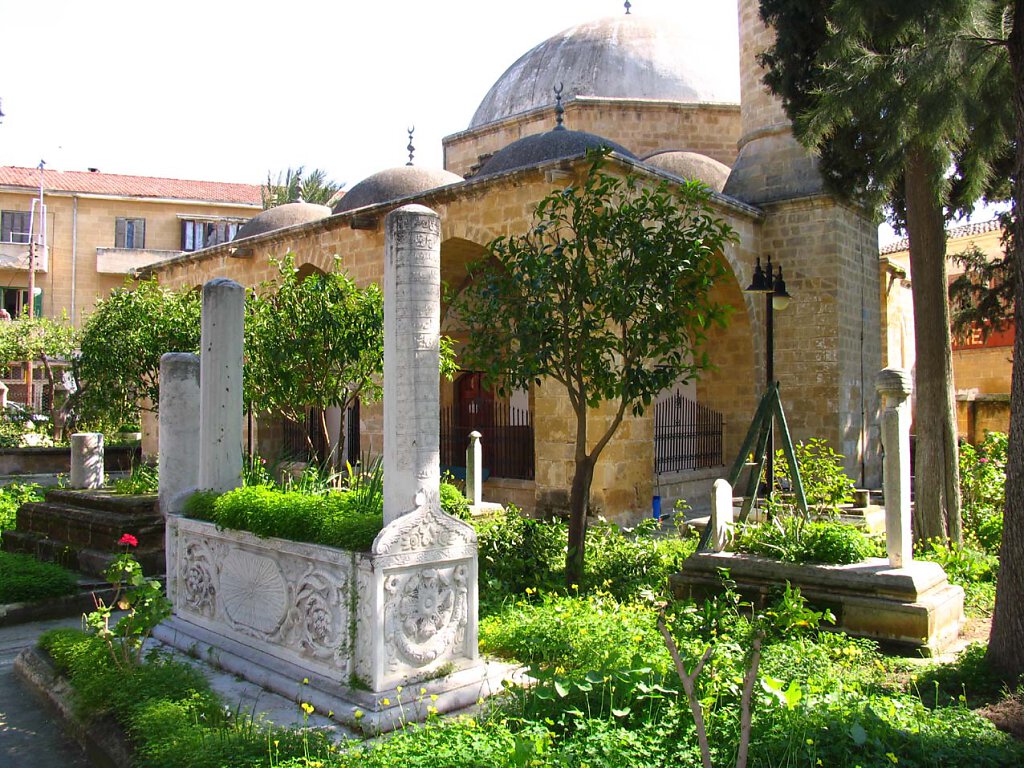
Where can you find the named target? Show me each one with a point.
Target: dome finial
(559, 109)
(628, 6)
(411, 148)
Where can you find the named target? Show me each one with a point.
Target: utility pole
(36, 233)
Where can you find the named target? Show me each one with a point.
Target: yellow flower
(575, 587)
(892, 757)
(398, 689)
(433, 697)
(423, 691)
(810, 742)
(307, 708)
(358, 714)
(386, 702)
(431, 710)
(305, 681)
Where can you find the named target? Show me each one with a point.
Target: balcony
(15, 256)
(124, 261)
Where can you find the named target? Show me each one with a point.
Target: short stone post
(894, 387)
(412, 328)
(179, 427)
(474, 469)
(220, 386)
(721, 514)
(87, 460)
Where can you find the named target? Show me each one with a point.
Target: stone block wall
(642, 127)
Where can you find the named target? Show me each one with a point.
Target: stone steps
(80, 530)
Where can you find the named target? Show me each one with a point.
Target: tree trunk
(579, 501)
(1006, 647)
(936, 471)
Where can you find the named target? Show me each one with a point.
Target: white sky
(225, 90)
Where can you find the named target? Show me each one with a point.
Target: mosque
(669, 107)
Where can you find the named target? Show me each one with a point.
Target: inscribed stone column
(179, 430)
(220, 386)
(474, 469)
(894, 387)
(87, 460)
(412, 328)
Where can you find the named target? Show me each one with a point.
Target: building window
(15, 226)
(15, 301)
(196, 234)
(130, 233)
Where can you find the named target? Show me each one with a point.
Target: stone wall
(642, 127)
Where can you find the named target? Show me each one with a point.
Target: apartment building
(100, 227)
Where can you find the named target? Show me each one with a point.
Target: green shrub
(792, 540)
(982, 487)
(200, 505)
(23, 578)
(825, 482)
(144, 479)
(453, 502)
(12, 496)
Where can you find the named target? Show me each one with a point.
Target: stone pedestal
(87, 460)
(179, 430)
(220, 386)
(914, 606)
(412, 329)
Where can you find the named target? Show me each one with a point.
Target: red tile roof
(953, 233)
(130, 186)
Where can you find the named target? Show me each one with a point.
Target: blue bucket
(656, 507)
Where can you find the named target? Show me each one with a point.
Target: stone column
(179, 430)
(721, 514)
(87, 460)
(474, 469)
(894, 387)
(412, 328)
(220, 386)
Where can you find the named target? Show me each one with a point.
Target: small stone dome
(394, 184)
(542, 147)
(281, 216)
(691, 165)
(625, 57)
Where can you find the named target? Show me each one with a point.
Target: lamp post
(769, 282)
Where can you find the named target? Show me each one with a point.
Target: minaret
(771, 164)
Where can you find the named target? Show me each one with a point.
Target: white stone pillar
(721, 514)
(412, 328)
(87, 460)
(894, 387)
(220, 386)
(474, 469)
(179, 430)
(3, 395)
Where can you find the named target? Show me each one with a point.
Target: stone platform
(914, 606)
(80, 530)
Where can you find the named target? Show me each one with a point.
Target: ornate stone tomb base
(914, 606)
(357, 625)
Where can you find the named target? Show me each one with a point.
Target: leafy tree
(963, 80)
(891, 96)
(122, 340)
(315, 341)
(295, 185)
(39, 339)
(607, 296)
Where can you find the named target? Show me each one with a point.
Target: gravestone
(179, 428)
(894, 387)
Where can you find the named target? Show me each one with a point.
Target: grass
(606, 693)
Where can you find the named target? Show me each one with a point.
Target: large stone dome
(628, 57)
(281, 216)
(543, 147)
(394, 184)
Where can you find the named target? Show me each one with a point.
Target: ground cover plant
(23, 578)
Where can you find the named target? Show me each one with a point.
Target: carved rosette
(196, 587)
(254, 593)
(425, 614)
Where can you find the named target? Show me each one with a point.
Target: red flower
(128, 539)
